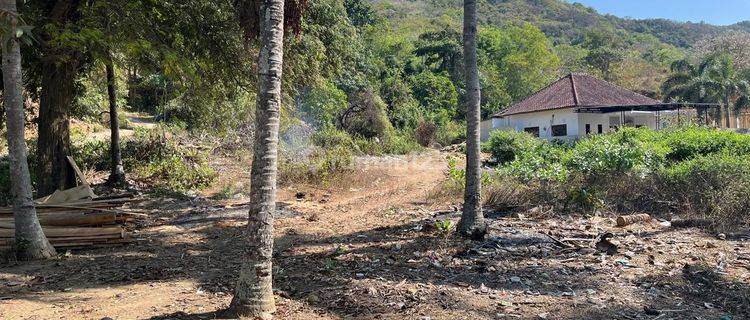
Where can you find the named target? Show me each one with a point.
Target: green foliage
(366, 116)
(522, 55)
(620, 152)
(179, 173)
(715, 186)
(444, 227)
(450, 133)
(689, 142)
(506, 145)
(320, 166)
(545, 162)
(437, 95)
(331, 138)
(322, 105)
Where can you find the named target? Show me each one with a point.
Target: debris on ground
(76, 217)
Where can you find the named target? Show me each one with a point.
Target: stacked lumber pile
(80, 223)
(75, 218)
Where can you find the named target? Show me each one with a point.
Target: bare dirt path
(364, 248)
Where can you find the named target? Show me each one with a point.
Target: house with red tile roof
(579, 104)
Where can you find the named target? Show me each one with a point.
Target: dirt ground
(365, 247)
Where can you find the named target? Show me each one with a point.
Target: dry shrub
(425, 133)
(503, 194)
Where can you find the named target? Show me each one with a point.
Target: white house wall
(593, 119)
(576, 122)
(542, 119)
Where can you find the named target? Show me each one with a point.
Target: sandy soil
(364, 247)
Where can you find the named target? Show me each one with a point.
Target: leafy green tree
(321, 105)
(522, 56)
(441, 50)
(605, 52)
(437, 95)
(193, 42)
(360, 13)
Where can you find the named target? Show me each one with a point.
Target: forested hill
(563, 21)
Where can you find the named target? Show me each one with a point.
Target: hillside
(563, 21)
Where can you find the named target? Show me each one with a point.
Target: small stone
(312, 298)
(721, 236)
(483, 288)
(515, 279)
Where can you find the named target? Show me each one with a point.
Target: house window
(560, 130)
(588, 128)
(534, 131)
(599, 129)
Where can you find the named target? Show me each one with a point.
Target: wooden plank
(53, 232)
(76, 194)
(71, 220)
(77, 171)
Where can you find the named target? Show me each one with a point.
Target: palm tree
(472, 221)
(31, 243)
(714, 80)
(729, 86)
(253, 296)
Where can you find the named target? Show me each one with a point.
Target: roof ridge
(538, 92)
(575, 91)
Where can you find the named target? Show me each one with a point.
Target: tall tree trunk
(727, 115)
(117, 173)
(253, 296)
(31, 243)
(472, 221)
(53, 145)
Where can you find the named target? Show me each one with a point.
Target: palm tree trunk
(30, 241)
(727, 115)
(117, 173)
(472, 221)
(253, 296)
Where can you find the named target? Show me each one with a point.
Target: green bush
(621, 152)
(506, 145)
(544, 162)
(331, 137)
(92, 154)
(688, 142)
(319, 167)
(715, 186)
(179, 173)
(321, 105)
(449, 133)
(366, 116)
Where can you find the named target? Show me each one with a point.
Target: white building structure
(578, 105)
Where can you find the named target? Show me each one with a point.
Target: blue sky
(721, 12)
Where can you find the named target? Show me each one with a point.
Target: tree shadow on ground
(398, 271)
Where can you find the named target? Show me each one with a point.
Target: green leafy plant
(444, 227)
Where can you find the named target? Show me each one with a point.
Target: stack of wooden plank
(80, 223)
(76, 217)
